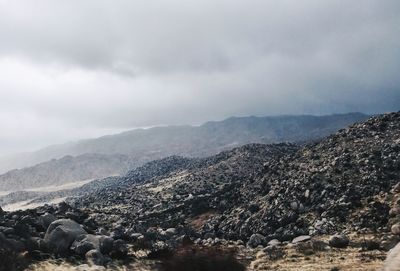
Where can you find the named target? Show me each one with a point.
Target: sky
(72, 69)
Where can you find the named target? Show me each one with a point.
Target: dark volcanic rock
(339, 241)
(84, 243)
(256, 240)
(61, 234)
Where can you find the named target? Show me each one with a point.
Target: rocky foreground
(330, 205)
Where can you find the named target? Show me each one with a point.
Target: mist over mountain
(115, 154)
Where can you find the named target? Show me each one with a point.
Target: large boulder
(392, 262)
(61, 234)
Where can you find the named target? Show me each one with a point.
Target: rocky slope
(278, 206)
(280, 191)
(144, 145)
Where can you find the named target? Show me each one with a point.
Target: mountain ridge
(144, 145)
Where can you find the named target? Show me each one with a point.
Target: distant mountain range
(115, 154)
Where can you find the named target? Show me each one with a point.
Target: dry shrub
(202, 259)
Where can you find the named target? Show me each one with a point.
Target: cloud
(73, 69)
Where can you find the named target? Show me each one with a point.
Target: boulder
(274, 242)
(61, 234)
(256, 240)
(394, 211)
(46, 219)
(392, 262)
(84, 243)
(339, 241)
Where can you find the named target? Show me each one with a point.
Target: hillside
(143, 145)
(277, 190)
(330, 204)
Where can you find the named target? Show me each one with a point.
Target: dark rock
(119, 250)
(86, 242)
(256, 240)
(63, 207)
(61, 234)
(46, 219)
(339, 241)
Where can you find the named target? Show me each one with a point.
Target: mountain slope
(144, 145)
(114, 154)
(346, 185)
(280, 191)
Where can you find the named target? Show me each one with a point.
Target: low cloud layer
(72, 69)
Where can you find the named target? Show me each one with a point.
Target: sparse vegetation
(202, 259)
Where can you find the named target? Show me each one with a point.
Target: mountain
(330, 203)
(144, 145)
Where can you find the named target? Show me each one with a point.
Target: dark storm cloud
(73, 69)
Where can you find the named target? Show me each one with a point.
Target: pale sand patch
(59, 187)
(24, 205)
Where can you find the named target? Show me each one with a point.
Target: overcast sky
(72, 69)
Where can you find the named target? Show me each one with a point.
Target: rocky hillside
(144, 145)
(279, 191)
(332, 205)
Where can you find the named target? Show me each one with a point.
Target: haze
(74, 69)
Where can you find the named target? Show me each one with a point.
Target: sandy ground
(23, 205)
(343, 260)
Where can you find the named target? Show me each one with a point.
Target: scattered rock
(94, 257)
(274, 242)
(302, 238)
(395, 229)
(119, 250)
